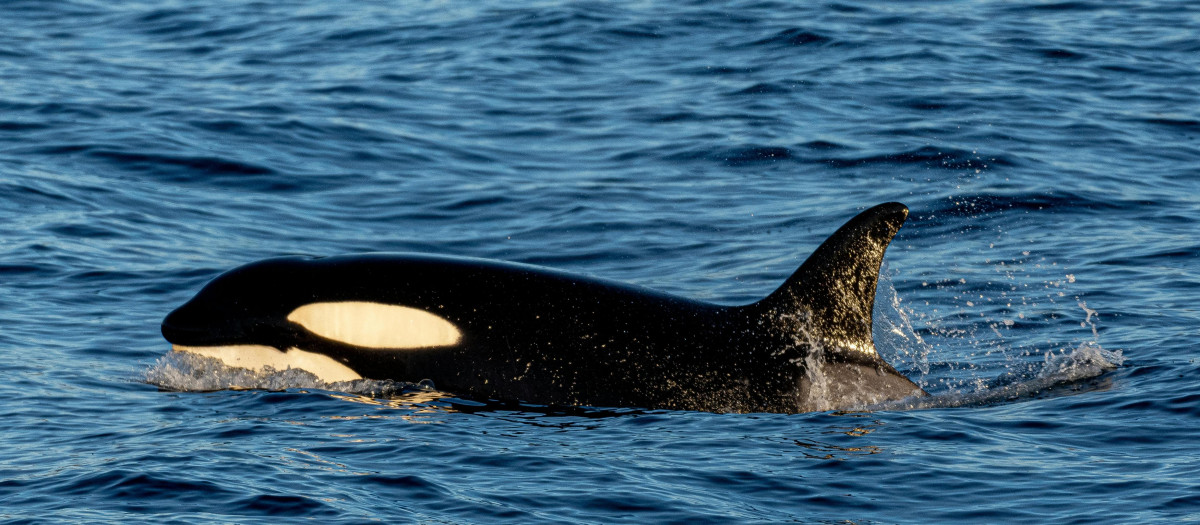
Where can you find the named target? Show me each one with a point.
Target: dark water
(1044, 289)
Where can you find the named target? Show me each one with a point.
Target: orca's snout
(189, 325)
(184, 327)
(177, 331)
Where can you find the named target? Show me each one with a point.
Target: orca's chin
(264, 359)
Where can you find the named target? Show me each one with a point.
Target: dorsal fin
(835, 288)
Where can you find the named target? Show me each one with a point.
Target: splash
(893, 330)
(187, 372)
(819, 396)
(413, 402)
(1059, 372)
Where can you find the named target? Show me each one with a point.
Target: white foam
(1058, 371)
(190, 372)
(260, 358)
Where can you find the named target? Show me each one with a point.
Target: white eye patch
(376, 325)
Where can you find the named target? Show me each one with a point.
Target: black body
(549, 337)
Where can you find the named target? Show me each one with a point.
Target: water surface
(1043, 288)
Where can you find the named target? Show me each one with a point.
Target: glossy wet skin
(523, 332)
(507, 331)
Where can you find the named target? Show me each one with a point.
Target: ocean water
(1044, 289)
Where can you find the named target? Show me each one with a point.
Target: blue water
(1044, 289)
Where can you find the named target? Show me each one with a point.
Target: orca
(514, 332)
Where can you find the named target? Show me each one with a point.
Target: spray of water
(187, 372)
(974, 351)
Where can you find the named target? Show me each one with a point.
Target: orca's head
(300, 312)
(246, 305)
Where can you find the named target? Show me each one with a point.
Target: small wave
(198, 165)
(204, 171)
(15, 54)
(221, 126)
(121, 483)
(926, 104)
(340, 89)
(755, 154)
(928, 156)
(635, 32)
(1179, 123)
(976, 205)
(1062, 6)
(92, 230)
(373, 35)
(762, 88)
(461, 204)
(822, 145)
(1182, 253)
(170, 22)
(282, 505)
(793, 36)
(69, 109)
(21, 269)
(1061, 54)
(12, 125)
(721, 70)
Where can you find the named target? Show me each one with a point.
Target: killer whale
(514, 332)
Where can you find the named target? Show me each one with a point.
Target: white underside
(259, 357)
